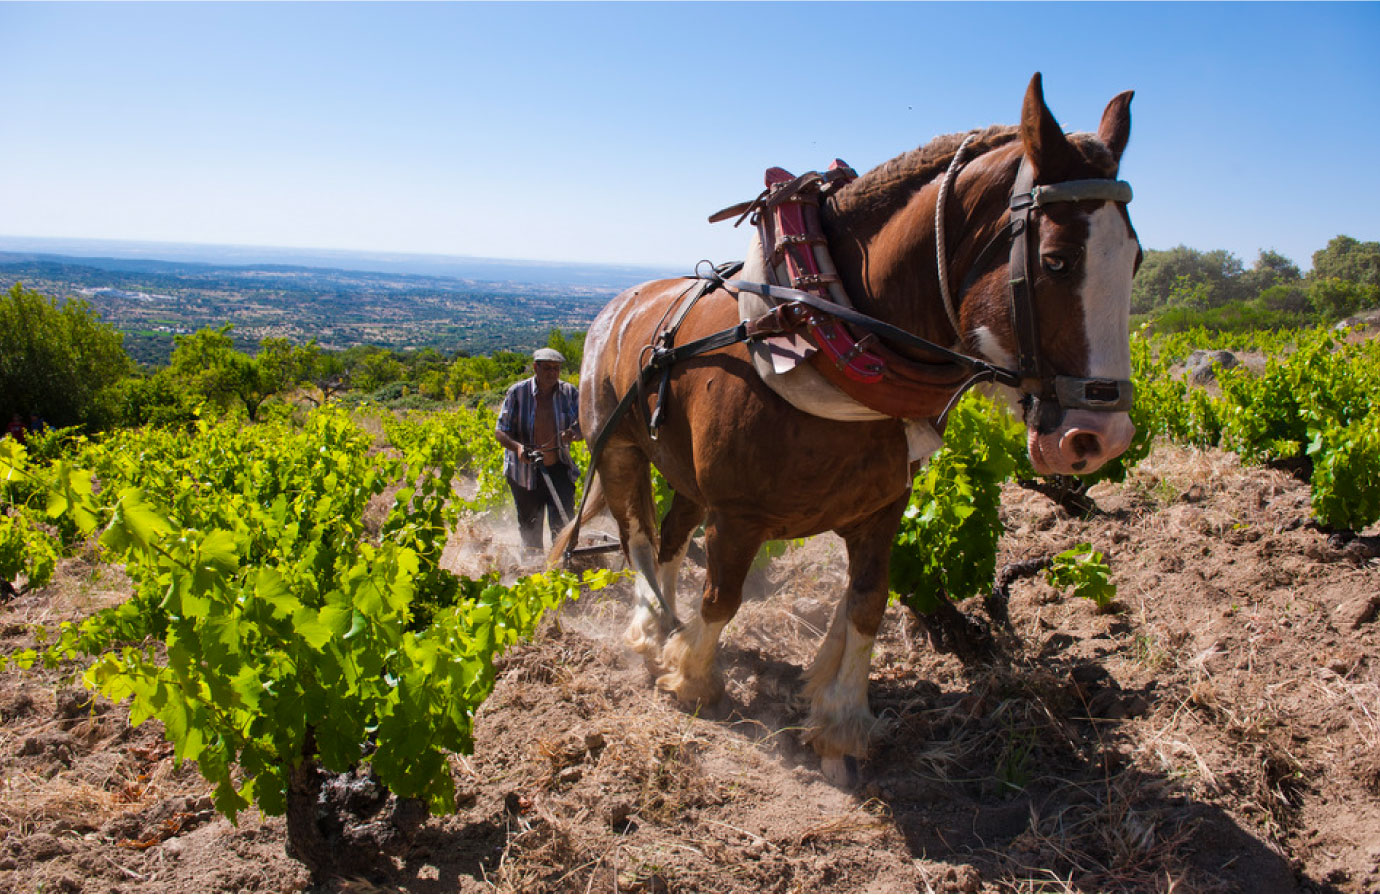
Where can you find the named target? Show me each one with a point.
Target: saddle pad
(779, 364)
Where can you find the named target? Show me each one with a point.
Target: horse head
(1077, 253)
(1027, 241)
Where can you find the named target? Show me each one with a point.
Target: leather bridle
(1051, 393)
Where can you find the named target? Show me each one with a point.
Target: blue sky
(608, 132)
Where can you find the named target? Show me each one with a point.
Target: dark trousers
(531, 501)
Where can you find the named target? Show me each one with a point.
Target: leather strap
(1021, 291)
(663, 358)
(879, 327)
(1098, 190)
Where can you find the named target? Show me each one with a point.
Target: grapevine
(1083, 569)
(1314, 409)
(946, 547)
(267, 629)
(26, 551)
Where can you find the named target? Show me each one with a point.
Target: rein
(880, 328)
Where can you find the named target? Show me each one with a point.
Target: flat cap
(547, 354)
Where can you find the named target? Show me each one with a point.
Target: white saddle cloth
(786, 372)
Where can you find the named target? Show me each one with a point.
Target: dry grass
(1104, 843)
(29, 802)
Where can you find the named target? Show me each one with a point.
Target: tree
(1291, 298)
(376, 369)
(208, 362)
(205, 362)
(1336, 297)
(1211, 278)
(572, 348)
(1269, 270)
(283, 365)
(328, 373)
(55, 358)
(157, 400)
(424, 360)
(469, 377)
(1347, 259)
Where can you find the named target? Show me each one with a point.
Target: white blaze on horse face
(1106, 299)
(1086, 439)
(1106, 294)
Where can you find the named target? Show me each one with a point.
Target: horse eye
(1056, 264)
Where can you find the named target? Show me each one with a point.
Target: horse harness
(786, 214)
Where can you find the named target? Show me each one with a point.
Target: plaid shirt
(518, 419)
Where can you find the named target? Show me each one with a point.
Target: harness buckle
(858, 348)
(1107, 395)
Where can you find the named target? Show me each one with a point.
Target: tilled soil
(1218, 731)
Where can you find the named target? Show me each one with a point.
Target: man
(539, 420)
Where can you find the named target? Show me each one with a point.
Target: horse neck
(887, 256)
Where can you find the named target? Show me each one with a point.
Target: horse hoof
(841, 771)
(691, 692)
(644, 644)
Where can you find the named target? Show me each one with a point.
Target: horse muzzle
(1081, 443)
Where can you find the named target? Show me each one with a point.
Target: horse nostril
(1085, 444)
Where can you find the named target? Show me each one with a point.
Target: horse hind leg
(840, 724)
(688, 660)
(677, 528)
(626, 476)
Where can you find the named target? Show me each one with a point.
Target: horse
(750, 466)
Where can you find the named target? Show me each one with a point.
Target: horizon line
(382, 254)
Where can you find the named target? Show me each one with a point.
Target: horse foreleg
(653, 622)
(841, 724)
(688, 659)
(625, 473)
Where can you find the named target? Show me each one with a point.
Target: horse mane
(900, 177)
(894, 182)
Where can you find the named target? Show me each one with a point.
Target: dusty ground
(1221, 732)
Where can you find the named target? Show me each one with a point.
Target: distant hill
(111, 252)
(340, 300)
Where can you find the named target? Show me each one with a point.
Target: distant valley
(339, 299)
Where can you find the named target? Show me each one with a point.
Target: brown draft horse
(752, 467)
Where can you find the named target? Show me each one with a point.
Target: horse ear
(1045, 144)
(1115, 128)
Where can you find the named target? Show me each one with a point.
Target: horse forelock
(1095, 153)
